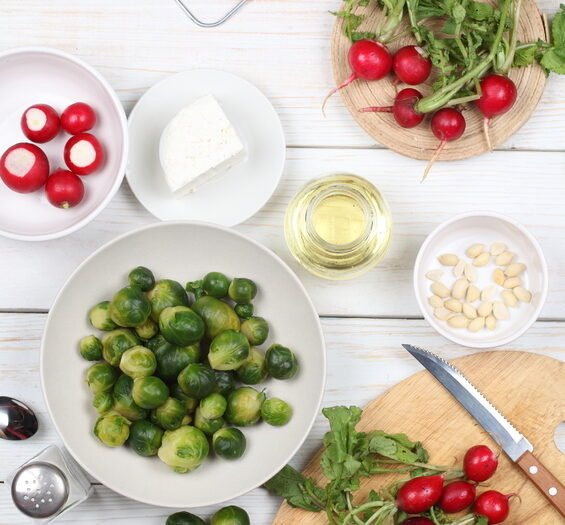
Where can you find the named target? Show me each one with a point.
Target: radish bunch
(24, 167)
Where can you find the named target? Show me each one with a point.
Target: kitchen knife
(516, 446)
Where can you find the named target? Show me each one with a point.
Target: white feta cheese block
(198, 144)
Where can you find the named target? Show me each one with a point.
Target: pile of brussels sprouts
(167, 376)
(231, 515)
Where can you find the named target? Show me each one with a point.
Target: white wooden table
(283, 47)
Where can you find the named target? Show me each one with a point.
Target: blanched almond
(448, 259)
(439, 289)
(475, 250)
(473, 293)
(509, 298)
(454, 305)
(490, 322)
(434, 275)
(469, 311)
(500, 311)
(514, 269)
(459, 268)
(435, 301)
(482, 260)
(498, 276)
(470, 273)
(459, 288)
(458, 321)
(476, 324)
(522, 294)
(443, 314)
(497, 248)
(488, 293)
(512, 282)
(484, 309)
(504, 258)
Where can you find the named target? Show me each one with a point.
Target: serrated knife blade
(514, 444)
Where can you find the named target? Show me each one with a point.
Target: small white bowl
(455, 236)
(33, 75)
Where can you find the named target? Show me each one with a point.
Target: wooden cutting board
(529, 389)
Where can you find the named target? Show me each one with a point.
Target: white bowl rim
(124, 131)
(164, 224)
(543, 292)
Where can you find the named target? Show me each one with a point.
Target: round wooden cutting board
(419, 142)
(529, 389)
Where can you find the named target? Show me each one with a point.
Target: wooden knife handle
(544, 480)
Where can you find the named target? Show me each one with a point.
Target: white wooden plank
(280, 45)
(364, 359)
(527, 186)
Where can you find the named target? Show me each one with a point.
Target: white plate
(182, 251)
(231, 198)
(455, 236)
(33, 75)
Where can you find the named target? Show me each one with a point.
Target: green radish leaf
(525, 56)
(554, 59)
(558, 27)
(479, 11)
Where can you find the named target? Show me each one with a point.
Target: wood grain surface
(527, 388)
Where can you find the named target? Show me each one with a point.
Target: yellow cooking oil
(338, 227)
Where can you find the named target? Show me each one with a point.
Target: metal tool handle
(199, 22)
(544, 480)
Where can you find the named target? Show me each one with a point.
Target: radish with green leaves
(411, 65)
(403, 109)
(480, 463)
(493, 505)
(457, 496)
(419, 494)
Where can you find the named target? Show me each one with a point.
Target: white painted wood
(361, 352)
(525, 185)
(280, 45)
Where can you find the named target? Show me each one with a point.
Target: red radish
(64, 189)
(403, 109)
(419, 494)
(457, 496)
(418, 520)
(83, 154)
(78, 118)
(447, 124)
(24, 167)
(479, 463)
(493, 505)
(40, 123)
(368, 60)
(411, 66)
(498, 94)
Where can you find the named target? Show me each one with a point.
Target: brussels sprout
(149, 392)
(112, 429)
(229, 443)
(225, 382)
(103, 402)
(281, 362)
(218, 316)
(156, 343)
(228, 350)
(181, 326)
(184, 449)
(129, 307)
(123, 400)
(142, 278)
(138, 361)
(195, 288)
(145, 438)
(197, 380)
(208, 426)
(213, 406)
(244, 406)
(253, 369)
(169, 415)
(171, 360)
(90, 348)
(99, 317)
(245, 311)
(242, 291)
(115, 343)
(184, 518)
(276, 412)
(231, 515)
(166, 293)
(101, 377)
(147, 330)
(216, 284)
(190, 403)
(256, 329)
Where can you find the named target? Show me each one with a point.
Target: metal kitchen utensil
(516, 446)
(217, 23)
(17, 421)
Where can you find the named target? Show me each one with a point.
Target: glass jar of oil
(338, 227)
